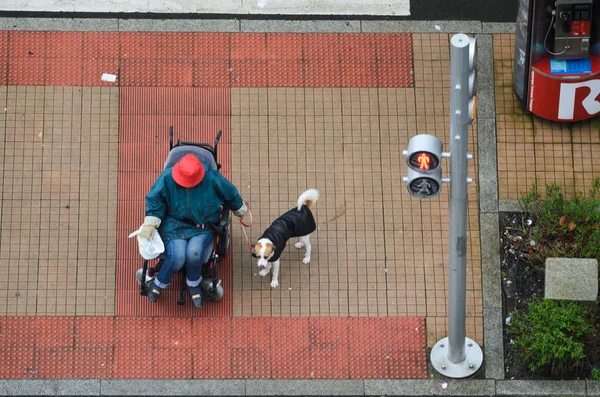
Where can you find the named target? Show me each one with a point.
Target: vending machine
(557, 58)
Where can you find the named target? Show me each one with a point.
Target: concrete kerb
(54, 387)
(510, 206)
(367, 387)
(488, 209)
(490, 206)
(168, 24)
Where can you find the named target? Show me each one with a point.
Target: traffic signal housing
(424, 157)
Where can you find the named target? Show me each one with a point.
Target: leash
(243, 226)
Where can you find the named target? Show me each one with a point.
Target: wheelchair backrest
(204, 155)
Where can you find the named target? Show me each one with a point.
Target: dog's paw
(263, 272)
(299, 244)
(306, 260)
(274, 284)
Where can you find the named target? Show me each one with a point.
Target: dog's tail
(309, 197)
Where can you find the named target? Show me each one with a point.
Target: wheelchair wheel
(224, 239)
(209, 292)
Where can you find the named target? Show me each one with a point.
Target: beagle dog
(297, 222)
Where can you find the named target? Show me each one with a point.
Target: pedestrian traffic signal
(424, 168)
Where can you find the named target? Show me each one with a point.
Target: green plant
(551, 334)
(563, 227)
(596, 374)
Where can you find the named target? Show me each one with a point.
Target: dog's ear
(273, 247)
(253, 251)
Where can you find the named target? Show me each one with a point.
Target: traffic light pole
(457, 356)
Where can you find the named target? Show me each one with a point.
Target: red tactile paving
(25, 44)
(248, 46)
(139, 45)
(180, 101)
(26, 71)
(143, 59)
(138, 72)
(64, 45)
(94, 68)
(284, 60)
(101, 45)
(394, 60)
(212, 73)
(3, 57)
(216, 348)
(176, 45)
(177, 73)
(64, 71)
(196, 114)
(3, 44)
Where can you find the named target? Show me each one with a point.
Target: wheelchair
(211, 287)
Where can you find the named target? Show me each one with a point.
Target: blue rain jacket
(183, 211)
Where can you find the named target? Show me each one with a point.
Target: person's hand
(147, 231)
(241, 211)
(151, 223)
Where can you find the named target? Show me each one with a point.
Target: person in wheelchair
(183, 204)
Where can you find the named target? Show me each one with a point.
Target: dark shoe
(196, 293)
(153, 292)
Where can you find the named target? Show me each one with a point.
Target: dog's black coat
(293, 223)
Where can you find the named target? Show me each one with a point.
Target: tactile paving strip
(196, 114)
(217, 348)
(139, 59)
(3, 57)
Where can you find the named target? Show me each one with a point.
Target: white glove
(241, 211)
(151, 223)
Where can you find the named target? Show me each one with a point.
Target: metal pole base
(468, 367)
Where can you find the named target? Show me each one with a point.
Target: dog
(297, 222)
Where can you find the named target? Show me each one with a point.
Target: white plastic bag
(150, 248)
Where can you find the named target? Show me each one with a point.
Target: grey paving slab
(66, 24)
(179, 25)
(498, 27)
(428, 388)
(510, 206)
(593, 388)
(304, 387)
(573, 279)
(492, 342)
(486, 104)
(488, 164)
(490, 259)
(52, 387)
(307, 26)
(540, 388)
(227, 387)
(421, 26)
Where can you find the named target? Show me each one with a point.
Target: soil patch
(522, 282)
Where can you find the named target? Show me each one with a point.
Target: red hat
(188, 172)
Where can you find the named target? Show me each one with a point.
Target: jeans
(192, 253)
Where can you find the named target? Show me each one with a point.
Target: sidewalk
(330, 110)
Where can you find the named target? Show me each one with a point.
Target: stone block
(571, 279)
